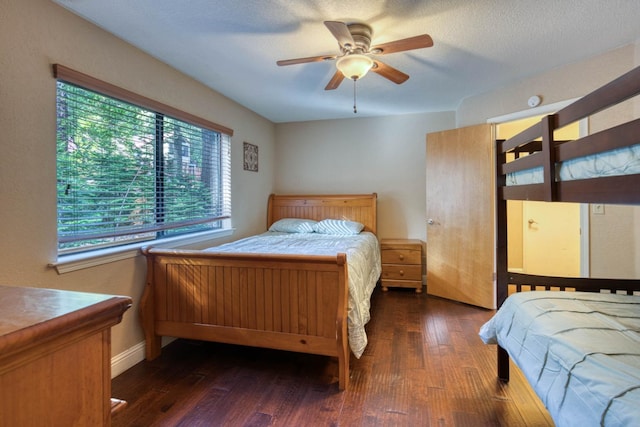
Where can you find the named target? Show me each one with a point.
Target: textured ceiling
(232, 46)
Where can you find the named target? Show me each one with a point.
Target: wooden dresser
(55, 356)
(401, 264)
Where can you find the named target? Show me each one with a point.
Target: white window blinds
(127, 172)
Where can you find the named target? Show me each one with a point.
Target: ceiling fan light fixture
(354, 66)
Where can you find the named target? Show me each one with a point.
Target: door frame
(583, 130)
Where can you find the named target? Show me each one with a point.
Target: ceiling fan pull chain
(355, 109)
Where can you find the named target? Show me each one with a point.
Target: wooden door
(460, 215)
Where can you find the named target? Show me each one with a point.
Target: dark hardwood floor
(424, 366)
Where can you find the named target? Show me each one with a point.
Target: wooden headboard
(354, 207)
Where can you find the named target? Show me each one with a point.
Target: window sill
(79, 261)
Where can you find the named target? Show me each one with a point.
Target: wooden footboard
(296, 303)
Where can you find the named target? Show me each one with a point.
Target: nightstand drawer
(401, 264)
(401, 256)
(401, 272)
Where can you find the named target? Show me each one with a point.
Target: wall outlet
(597, 209)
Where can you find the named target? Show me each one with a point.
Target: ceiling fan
(357, 56)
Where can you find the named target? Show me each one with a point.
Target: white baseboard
(127, 359)
(131, 356)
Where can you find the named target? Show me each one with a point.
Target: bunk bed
(578, 347)
(249, 293)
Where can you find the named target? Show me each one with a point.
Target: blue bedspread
(579, 351)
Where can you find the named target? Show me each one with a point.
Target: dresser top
(32, 314)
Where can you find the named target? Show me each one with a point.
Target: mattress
(579, 351)
(622, 161)
(363, 265)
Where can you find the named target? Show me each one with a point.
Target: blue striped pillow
(341, 227)
(293, 225)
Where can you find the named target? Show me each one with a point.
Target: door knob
(430, 221)
(531, 222)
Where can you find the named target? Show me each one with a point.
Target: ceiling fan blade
(335, 81)
(389, 72)
(305, 60)
(341, 32)
(416, 42)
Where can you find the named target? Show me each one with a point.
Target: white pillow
(293, 225)
(338, 226)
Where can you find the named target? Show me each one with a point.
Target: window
(127, 172)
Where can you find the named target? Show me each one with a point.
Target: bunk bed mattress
(579, 351)
(363, 266)
(622, 161)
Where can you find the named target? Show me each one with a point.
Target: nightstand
(401, 264)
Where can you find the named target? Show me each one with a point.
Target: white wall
(37, 33)
(614, 241)
(559, 84)
(384, 155)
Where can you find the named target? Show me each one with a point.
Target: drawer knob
(402, 272)
(401, 257)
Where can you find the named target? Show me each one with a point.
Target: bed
(579, 347)
(249, 293)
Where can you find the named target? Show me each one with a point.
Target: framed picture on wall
(250, 157)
